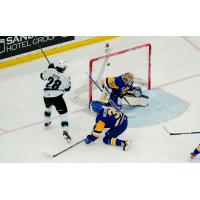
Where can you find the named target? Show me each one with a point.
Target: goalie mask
(128, 78)
(61, 66)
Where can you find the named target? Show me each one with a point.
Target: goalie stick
(64, 150)
(111, 101)
(180, 133)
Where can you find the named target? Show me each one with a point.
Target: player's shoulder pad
(110, 81)
(99, 126)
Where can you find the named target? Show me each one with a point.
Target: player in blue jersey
(195, 152)
(117, 88)
(108, 118)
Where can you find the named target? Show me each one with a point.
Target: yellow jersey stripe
(122, 119)
(27, 58)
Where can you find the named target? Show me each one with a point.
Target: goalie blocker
(117, 88)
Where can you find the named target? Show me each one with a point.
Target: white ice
(175, 68)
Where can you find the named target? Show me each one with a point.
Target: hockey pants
(112, 134)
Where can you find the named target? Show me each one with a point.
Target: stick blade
(49, 155)
(166, 130)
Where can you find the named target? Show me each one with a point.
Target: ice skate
(46, 125)
(126, 145)
(66, 136)
(192, 155)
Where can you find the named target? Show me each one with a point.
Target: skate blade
(68, 140)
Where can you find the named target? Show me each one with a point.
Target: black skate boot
(47, 124)
(192, 155)
(66, 136)
(126, 145)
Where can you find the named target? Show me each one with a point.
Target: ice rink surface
(175, 70)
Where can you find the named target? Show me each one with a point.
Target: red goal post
(148, 46)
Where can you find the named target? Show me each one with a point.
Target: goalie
(117, 88)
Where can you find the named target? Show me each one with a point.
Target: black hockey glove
(51, 66)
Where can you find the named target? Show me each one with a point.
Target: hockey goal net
(136, 60)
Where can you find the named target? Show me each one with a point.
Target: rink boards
(54, 50)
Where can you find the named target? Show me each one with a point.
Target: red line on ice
(191, 43)
(2, 130)
(177, 81)
(36, 123)
(186, 78)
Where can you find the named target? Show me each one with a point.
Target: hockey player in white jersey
(56, 85)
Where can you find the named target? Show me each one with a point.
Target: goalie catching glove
(135, 92)
(136, 98)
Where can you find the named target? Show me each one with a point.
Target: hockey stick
(57, 154)
(180, 133)
(44, 53)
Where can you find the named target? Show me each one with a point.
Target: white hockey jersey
(56, 83)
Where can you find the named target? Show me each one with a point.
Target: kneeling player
(195, 152)
(117, 88)
(57, 84)
(108, 118)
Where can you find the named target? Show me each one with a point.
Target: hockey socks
(47, 115)
(113, 141)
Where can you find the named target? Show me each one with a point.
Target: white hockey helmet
(62, 65)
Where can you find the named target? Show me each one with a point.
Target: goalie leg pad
(143, 100)
(105, 95)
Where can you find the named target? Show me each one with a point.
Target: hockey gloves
(88, 140)
(51, 66)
